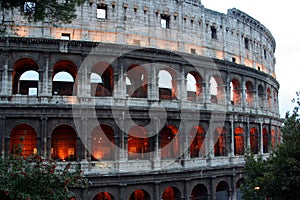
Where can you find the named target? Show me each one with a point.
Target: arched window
(222, 191)
(64, 143)
(103, 196)
(138, 143)
(64, 75)
(171, 193)
(102, 143)
(239, 194)
(197, 138)
(25, 77)
(265, 141)
(239, 141)
(102, 80)
(261, 96)
(139, 195)
(194, 86)
(249, 93)
(254, 140)
(220, 145)
(216, 89)
(169, 142)
(199, 192)
(273, 138)
(269, 97)
(167, 85)
(235, 92)
(23, 140)
(137, 77)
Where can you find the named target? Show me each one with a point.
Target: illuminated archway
(265, 141)
(23, 140)
(138, 143)
(220, 145)
(102, 143)
(269, 98)
(103, 196)
(171, 193)
(64, 143)
(239, 141)
(197, 138)
(139, 195)
(254, 140)
(169, 142)
(199, 192)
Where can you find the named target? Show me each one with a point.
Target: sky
(282, 19)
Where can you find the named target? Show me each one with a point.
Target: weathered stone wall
(138, 23)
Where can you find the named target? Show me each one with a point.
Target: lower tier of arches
(205, 184)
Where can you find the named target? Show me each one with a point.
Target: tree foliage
(279, 176)
(52, 10)
(34, 178)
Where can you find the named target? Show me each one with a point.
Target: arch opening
(199, 192)
(23, 140)
(167, 85)
(220, 145)
(197, 144)
(137, 82)
(239, 141)
(138, 147)
(102, 80)
(169, 142)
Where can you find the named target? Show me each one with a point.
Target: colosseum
(152, 99)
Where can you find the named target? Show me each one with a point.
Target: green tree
(34, 178)
(39, 10)
(279, 176)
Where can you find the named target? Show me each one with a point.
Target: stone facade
(99, 100)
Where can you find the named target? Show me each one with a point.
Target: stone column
(244, 96)
(231, 153)
(2, 144)
(43, 146)
(183, 84)
(5, 84)
(44, 78)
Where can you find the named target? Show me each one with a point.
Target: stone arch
(104, 196)
(199, 192)
(20, 67)
(216, 89)
(138, 143)
(222, 191)
(167, 84)
(250, 93)
(23, 140)
(61, 86)
(220, 145)
(171, 193)
(197, 142)
(64, 143)
(235, 93)
(104, 72)
(139, 194)
(261, 96)
(269, 98)
(265, 140)
(102, 143)
(273, 138)
(194, 86)
(169, 142)
(239, 147)
(138, 78)
(239, 194)
(254, 140)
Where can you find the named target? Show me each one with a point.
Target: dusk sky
(281, 18)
